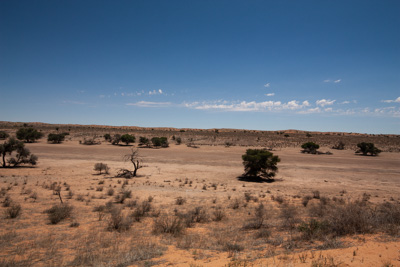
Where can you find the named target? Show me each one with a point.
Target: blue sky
(266, 65)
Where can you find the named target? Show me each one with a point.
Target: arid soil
(208, 177)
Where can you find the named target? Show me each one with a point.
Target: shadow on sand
(255, 179)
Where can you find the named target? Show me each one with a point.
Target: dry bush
(110, 191)
(120, 198)
(117, 221)
(218, 214)
(7, 201)
(141, 210)
(257, 221)
(13, 211)
(305, 200)
(57, 213)
(168, 224)
(180, 201)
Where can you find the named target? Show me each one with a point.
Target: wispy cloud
(247, 106)
(397, 100)
(267, 85)
(156, 92)
(73, 102)
(270, 94)
(332, 81)
(324, 102)
(148, 104)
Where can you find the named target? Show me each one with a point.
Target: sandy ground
(342, 174)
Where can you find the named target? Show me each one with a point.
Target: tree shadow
(255, 179)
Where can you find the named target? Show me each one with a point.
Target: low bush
(117, 221)
(13, 211)
(168, 224)
(60, 212)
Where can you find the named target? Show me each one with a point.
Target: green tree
(368, 148)
(127, 138)
(160, 141)
(29, 134)
(107, 137)
(55, 138)
(3, 135)
(116, 139)
(144, 141)
(23, 155)
(260, 163)
(310, 147)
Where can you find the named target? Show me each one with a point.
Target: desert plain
(200, 178)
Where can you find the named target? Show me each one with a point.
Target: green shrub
(29, 134)
(310, 148)
(127, 139)
(259, 162)
(368, 148)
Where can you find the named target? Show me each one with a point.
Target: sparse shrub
(55, 138)
(13, 211)
(7, 202)
(235, 204)
(28, 134)
(107, 137)
(339, 146)
(305, 200)
(100, 167)
(117, 221)
(141, 210)
(263, 233)
(368, 148)
(160, 141)
(289, 216)
(60, 212)
(3, 135)
(310, 148)
(260, 163)
(313, 229)
(116, 139)
(127, 139)
(316, 194)
(180, 201)
(218, 214)
(144, 141)
(257, 221)
(74, 224)
(110, 191)
(23, 155)
(280, 199)
(167, 224)
(178, 140)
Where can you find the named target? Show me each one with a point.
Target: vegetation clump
(368, 149)
(127, 139)
(57, 213)
(23, 155)
(56, 138)
(3, 135)
(100, 167)
(310, 148)
(260, 163)
(28, 134)
(160, 141)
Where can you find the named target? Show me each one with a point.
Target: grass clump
(60, 212)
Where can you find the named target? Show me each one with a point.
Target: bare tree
(135, 159)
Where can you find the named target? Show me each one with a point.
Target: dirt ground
(202, 176)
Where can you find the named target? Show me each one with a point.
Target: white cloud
(160, 91)
(345, 102)
(328, 110)
(270, 94)
(73, 102)
(306, 103)
(247, 106)
(332, 81)
(148, 104)
(324, 102)
(397, 100)
(267, 85)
